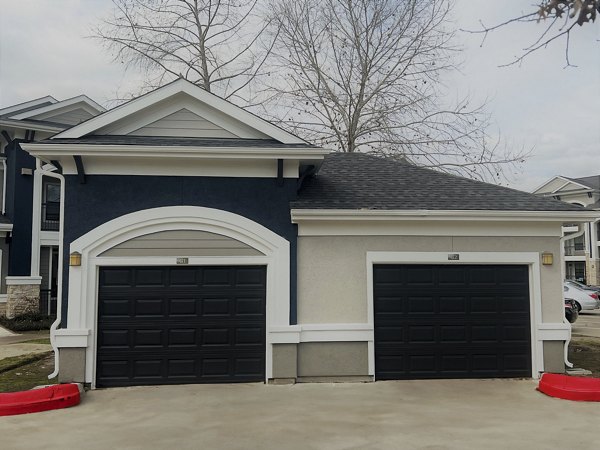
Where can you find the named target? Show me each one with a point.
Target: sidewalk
(13, 344)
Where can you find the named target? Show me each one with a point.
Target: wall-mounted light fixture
(547, 258)
(75, 259)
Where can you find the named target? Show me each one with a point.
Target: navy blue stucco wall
(105, 197)
(19, 202)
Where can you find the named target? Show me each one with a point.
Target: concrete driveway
(587, 324)
(387, 415)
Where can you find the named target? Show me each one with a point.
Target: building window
(51, 207)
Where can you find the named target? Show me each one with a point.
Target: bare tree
(364, 75)
(560, 18)
(212, 43)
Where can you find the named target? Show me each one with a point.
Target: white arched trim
(83, 280)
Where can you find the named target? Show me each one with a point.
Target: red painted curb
(37, 400)
(570, 388)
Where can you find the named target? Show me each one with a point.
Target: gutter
(55, 325)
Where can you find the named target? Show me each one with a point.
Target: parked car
(584, 299)
(571, 312)
(585, 287)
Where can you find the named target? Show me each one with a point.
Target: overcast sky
(44, 50)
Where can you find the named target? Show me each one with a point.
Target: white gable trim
(169, 90)
(559, 177)
(80, 101)
(146, 119)
(29, 104)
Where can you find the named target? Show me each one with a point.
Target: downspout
(568, 237)
(54, 326)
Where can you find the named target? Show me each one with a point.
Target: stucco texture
(332, 270)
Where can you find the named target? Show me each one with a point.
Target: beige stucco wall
(332, 270)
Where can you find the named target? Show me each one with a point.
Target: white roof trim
(45, 151)
(420, 214)
(29, 104)
(176, 87)
(25, 125)
(559, 177)
(80, 99)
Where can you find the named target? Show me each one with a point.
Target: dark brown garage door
(441, 321)
(171, 325)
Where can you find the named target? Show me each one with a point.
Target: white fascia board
(170, 90)
(558, 177)
(29, 104)
(80, 100)
(24, 125)
(299, 215)
(46, 151)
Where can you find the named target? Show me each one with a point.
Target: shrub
(28, 322)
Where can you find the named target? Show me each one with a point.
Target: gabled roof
(592, 182)
(27, 106)
(172, 96)
(49, 114)
(80, 101)
(356, 181)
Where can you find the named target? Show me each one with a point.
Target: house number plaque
(183, 261)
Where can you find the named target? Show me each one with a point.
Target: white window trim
(539, 331)
(83, 280)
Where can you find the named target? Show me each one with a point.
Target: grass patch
(584, 352)
(38, 341)
(14, 362)
(28, 322)
(28, 376)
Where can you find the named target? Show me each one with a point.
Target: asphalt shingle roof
(360, 181)
(167, 141)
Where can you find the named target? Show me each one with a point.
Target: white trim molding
(531, 259)
(300, 215)
(83, 280)
(322, 332)
(12, 281)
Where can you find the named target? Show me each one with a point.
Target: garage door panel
(148, 338)
(452, 305)
(182, 307)
(249, 307)
(183, 277)
(118, 307)
(453, 334)
(149, 277)
(215, 307)
(113, 339)
(420, 304)
(116, 277)
(176, 332)
(463, 329)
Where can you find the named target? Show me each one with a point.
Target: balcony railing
(577, 249)
(48, 302)
(50, 216)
